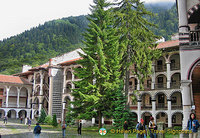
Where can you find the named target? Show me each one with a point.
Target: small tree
(42, 116)
(54, 122)
(48, 120)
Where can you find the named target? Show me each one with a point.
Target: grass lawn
(93, 132)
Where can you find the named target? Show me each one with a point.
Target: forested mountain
(36, 46)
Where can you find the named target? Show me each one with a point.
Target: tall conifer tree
(138, 40)
(100, 66)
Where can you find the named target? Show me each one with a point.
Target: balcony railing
(146, 107)
(175, 85)
(175, 66)
(133, 107)
(160, 86)
(177, 106)
(160, 68)
(161, 106)
(195, 36)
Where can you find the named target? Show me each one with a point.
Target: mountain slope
(36, 46)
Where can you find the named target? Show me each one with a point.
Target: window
(173, 119)
(162, 114)
(174, 100)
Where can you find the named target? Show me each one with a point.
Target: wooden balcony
(160, 68)
(160, 86)
(161, 106)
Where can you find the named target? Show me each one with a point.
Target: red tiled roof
(70, 61)
(168, 44)
(13, 79)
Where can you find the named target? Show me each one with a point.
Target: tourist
(21, 119)
(29, 124)
(141, 128)
(37, 130)
(152, 128)
(137, 129)
(125, 129)
(193, 125)
(5, 119)
(63, 128)
(79, 127)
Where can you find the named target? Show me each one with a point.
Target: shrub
(54, 122)
(48, 120)
(177, 128)
(42, 116)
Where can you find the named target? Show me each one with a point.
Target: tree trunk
(100, 119)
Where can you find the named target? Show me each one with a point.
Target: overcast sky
(16, 16)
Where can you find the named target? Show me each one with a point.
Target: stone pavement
(13, 129)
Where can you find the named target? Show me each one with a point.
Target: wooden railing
(195, 36)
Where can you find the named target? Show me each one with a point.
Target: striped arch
(193, 9)
(193, 65)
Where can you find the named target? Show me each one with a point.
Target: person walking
(193, 125)
(21, 119)
(141, 129)
(64, 126)
(125, 129)
(152, 128)
(79, 127)
(5, 119)
(37, 130)
(29, 124)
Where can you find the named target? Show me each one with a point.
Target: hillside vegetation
(37, 45)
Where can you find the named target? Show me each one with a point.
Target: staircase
(57, 94)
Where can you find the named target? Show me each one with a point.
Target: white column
(7, 95)
(32, 116)
(102, 120)
(28, 99)
(93, 121)
(72, 75)
(139, 110)
(34, 82)
(186, 96)
(138, 85)
(17, 114)
(41, 83)
(182, 14)
(168, 75)
(153, 108)
(153, 78)
(64, 80)
(40, 108)
(18, 94)
(63, 109)
(169, 103)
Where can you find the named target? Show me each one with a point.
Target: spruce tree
(54, 122)
(138, 40)
(42, 116)
(99, 74)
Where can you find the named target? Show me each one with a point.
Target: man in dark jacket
(37, 130)
(79, 127)
(125, 129)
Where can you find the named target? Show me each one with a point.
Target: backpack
(38, 130)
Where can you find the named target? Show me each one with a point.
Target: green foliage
(42, 116)
(48, 120)
(69, 119)
(120, 113)
(166, 21)
(138, 40)
(177, 128)
(54, 122)
(36, 46)
(100, 64)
